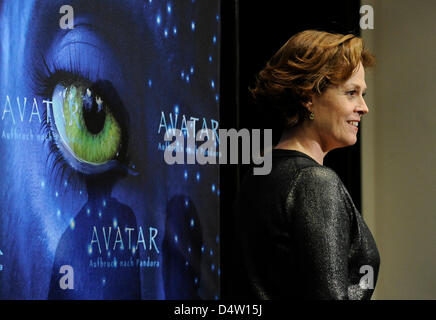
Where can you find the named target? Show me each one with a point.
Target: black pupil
(93, 114)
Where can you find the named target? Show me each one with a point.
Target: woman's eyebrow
(357, 86)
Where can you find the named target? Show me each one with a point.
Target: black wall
(252, 31)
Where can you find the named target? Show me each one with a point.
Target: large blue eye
(85, 130)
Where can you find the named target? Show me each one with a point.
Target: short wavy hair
(307, 63)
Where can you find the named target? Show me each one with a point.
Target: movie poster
(89, 209)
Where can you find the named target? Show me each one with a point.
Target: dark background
(252, 31)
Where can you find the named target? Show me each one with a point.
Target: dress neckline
(291, 153)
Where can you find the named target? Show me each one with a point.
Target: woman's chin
(352, 141)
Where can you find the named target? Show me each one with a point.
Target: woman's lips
(354, 125)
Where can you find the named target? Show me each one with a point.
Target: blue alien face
(90, 209)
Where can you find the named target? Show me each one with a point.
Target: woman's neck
(303, 140)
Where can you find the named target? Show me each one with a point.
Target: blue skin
(117, 41)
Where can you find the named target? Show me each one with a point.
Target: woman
(298, 233)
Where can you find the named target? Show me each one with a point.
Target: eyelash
(45, 79)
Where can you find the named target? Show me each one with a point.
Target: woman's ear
(308, 104)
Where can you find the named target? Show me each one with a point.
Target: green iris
(90, 142)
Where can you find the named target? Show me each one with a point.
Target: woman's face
(338, 111)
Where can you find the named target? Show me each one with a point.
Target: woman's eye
(85, 127)
(351, 93)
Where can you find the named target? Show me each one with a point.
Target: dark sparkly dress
(298, 235)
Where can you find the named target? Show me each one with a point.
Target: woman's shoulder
(289, 162)
(304, 166)
(318, 173)
(317, 180)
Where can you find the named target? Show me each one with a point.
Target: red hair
(307, 63)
